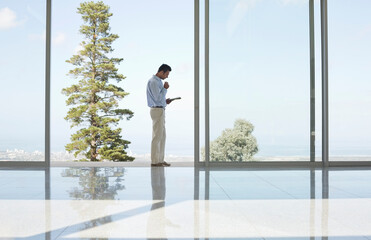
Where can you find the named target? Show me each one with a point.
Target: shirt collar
(157, 78)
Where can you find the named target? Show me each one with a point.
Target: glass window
(22, 70)
(349, 80)
(161, 32)
(259, 81)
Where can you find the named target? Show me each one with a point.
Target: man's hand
(166, 85)
(168, 101)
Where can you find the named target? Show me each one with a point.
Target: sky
(259, 71)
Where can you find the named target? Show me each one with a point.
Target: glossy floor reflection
(185, 203)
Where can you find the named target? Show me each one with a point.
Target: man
(156, 99)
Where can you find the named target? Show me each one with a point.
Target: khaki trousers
(158, 135)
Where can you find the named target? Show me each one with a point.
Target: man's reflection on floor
(157, 220)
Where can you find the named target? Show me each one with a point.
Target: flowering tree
(234, 145)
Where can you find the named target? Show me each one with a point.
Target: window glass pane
(22, 68)
(259, 72)
(349, 80)
(161, 32)
(201, 34)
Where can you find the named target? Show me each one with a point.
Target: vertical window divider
(47, 84)
(324, 51)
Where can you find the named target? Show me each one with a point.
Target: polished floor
(185, 203)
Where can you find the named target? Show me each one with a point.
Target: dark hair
(164, 68)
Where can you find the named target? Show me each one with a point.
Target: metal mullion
(324, 48)
(47, 83)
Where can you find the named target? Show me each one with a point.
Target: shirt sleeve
(158, 93)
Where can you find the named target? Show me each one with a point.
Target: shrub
(234, 145)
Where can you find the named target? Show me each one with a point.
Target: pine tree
(94, 100)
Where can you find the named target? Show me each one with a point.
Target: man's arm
(157, 93)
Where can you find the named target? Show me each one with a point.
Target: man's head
(163, 71)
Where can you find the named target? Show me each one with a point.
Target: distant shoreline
(21, 155)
